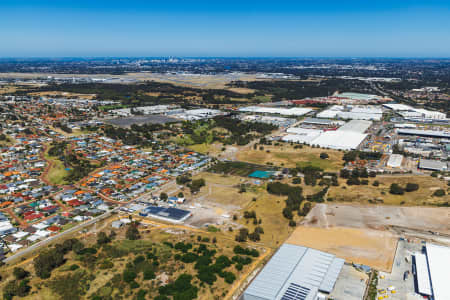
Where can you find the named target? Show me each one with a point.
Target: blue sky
(378, 28)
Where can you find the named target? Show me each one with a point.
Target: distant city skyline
(45, 28)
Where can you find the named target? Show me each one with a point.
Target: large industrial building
(415, 114)
(295, 273)
(295, 111)
(433, 165)
(425, 133)
(348, 137)
(432, 272)
(366, 112)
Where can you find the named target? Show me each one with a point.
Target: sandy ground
(374, 248)
(379, 217)
(368, 234)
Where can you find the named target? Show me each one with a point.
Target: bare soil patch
(374, 248)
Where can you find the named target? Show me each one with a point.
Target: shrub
(395, 189)
(46, 261)
(129, 275)
(20, 273)
(324, 155)
(149, 274)
(229, 277)
(439, 193)
(411, 187)
(132, 232)
(102, 238)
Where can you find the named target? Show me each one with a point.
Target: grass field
(57, 171)
(286, 156)
(365, 193)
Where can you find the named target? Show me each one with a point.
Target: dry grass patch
(370, 193)
(289, 157)
(242, 90)
(63, 94)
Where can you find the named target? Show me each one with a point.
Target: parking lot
(394, 286)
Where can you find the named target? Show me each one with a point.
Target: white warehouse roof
(356, 126)
(423, 277)
(339, 139)
(295, 111)
(295, 272)
(439, 266)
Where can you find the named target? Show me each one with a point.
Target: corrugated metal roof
(332, 275)
(295, 272)
(356, 126)
(432, 164)
(274, 275)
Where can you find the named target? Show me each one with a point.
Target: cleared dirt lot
(374, 248)
(362, 233)
(379, 217)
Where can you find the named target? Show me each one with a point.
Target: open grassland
(268, 208)
(380, 194)
(63, 94)
(56, 172)
(241, 90)
(223, 193)
(363, 246)
(8, 89)
(211, 149)
(285, 155)
(223, 190)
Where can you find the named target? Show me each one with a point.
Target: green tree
(411, 187)
(395, 189)
(20, 273)
(163, 196)
(132, 232)
(102, 238)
